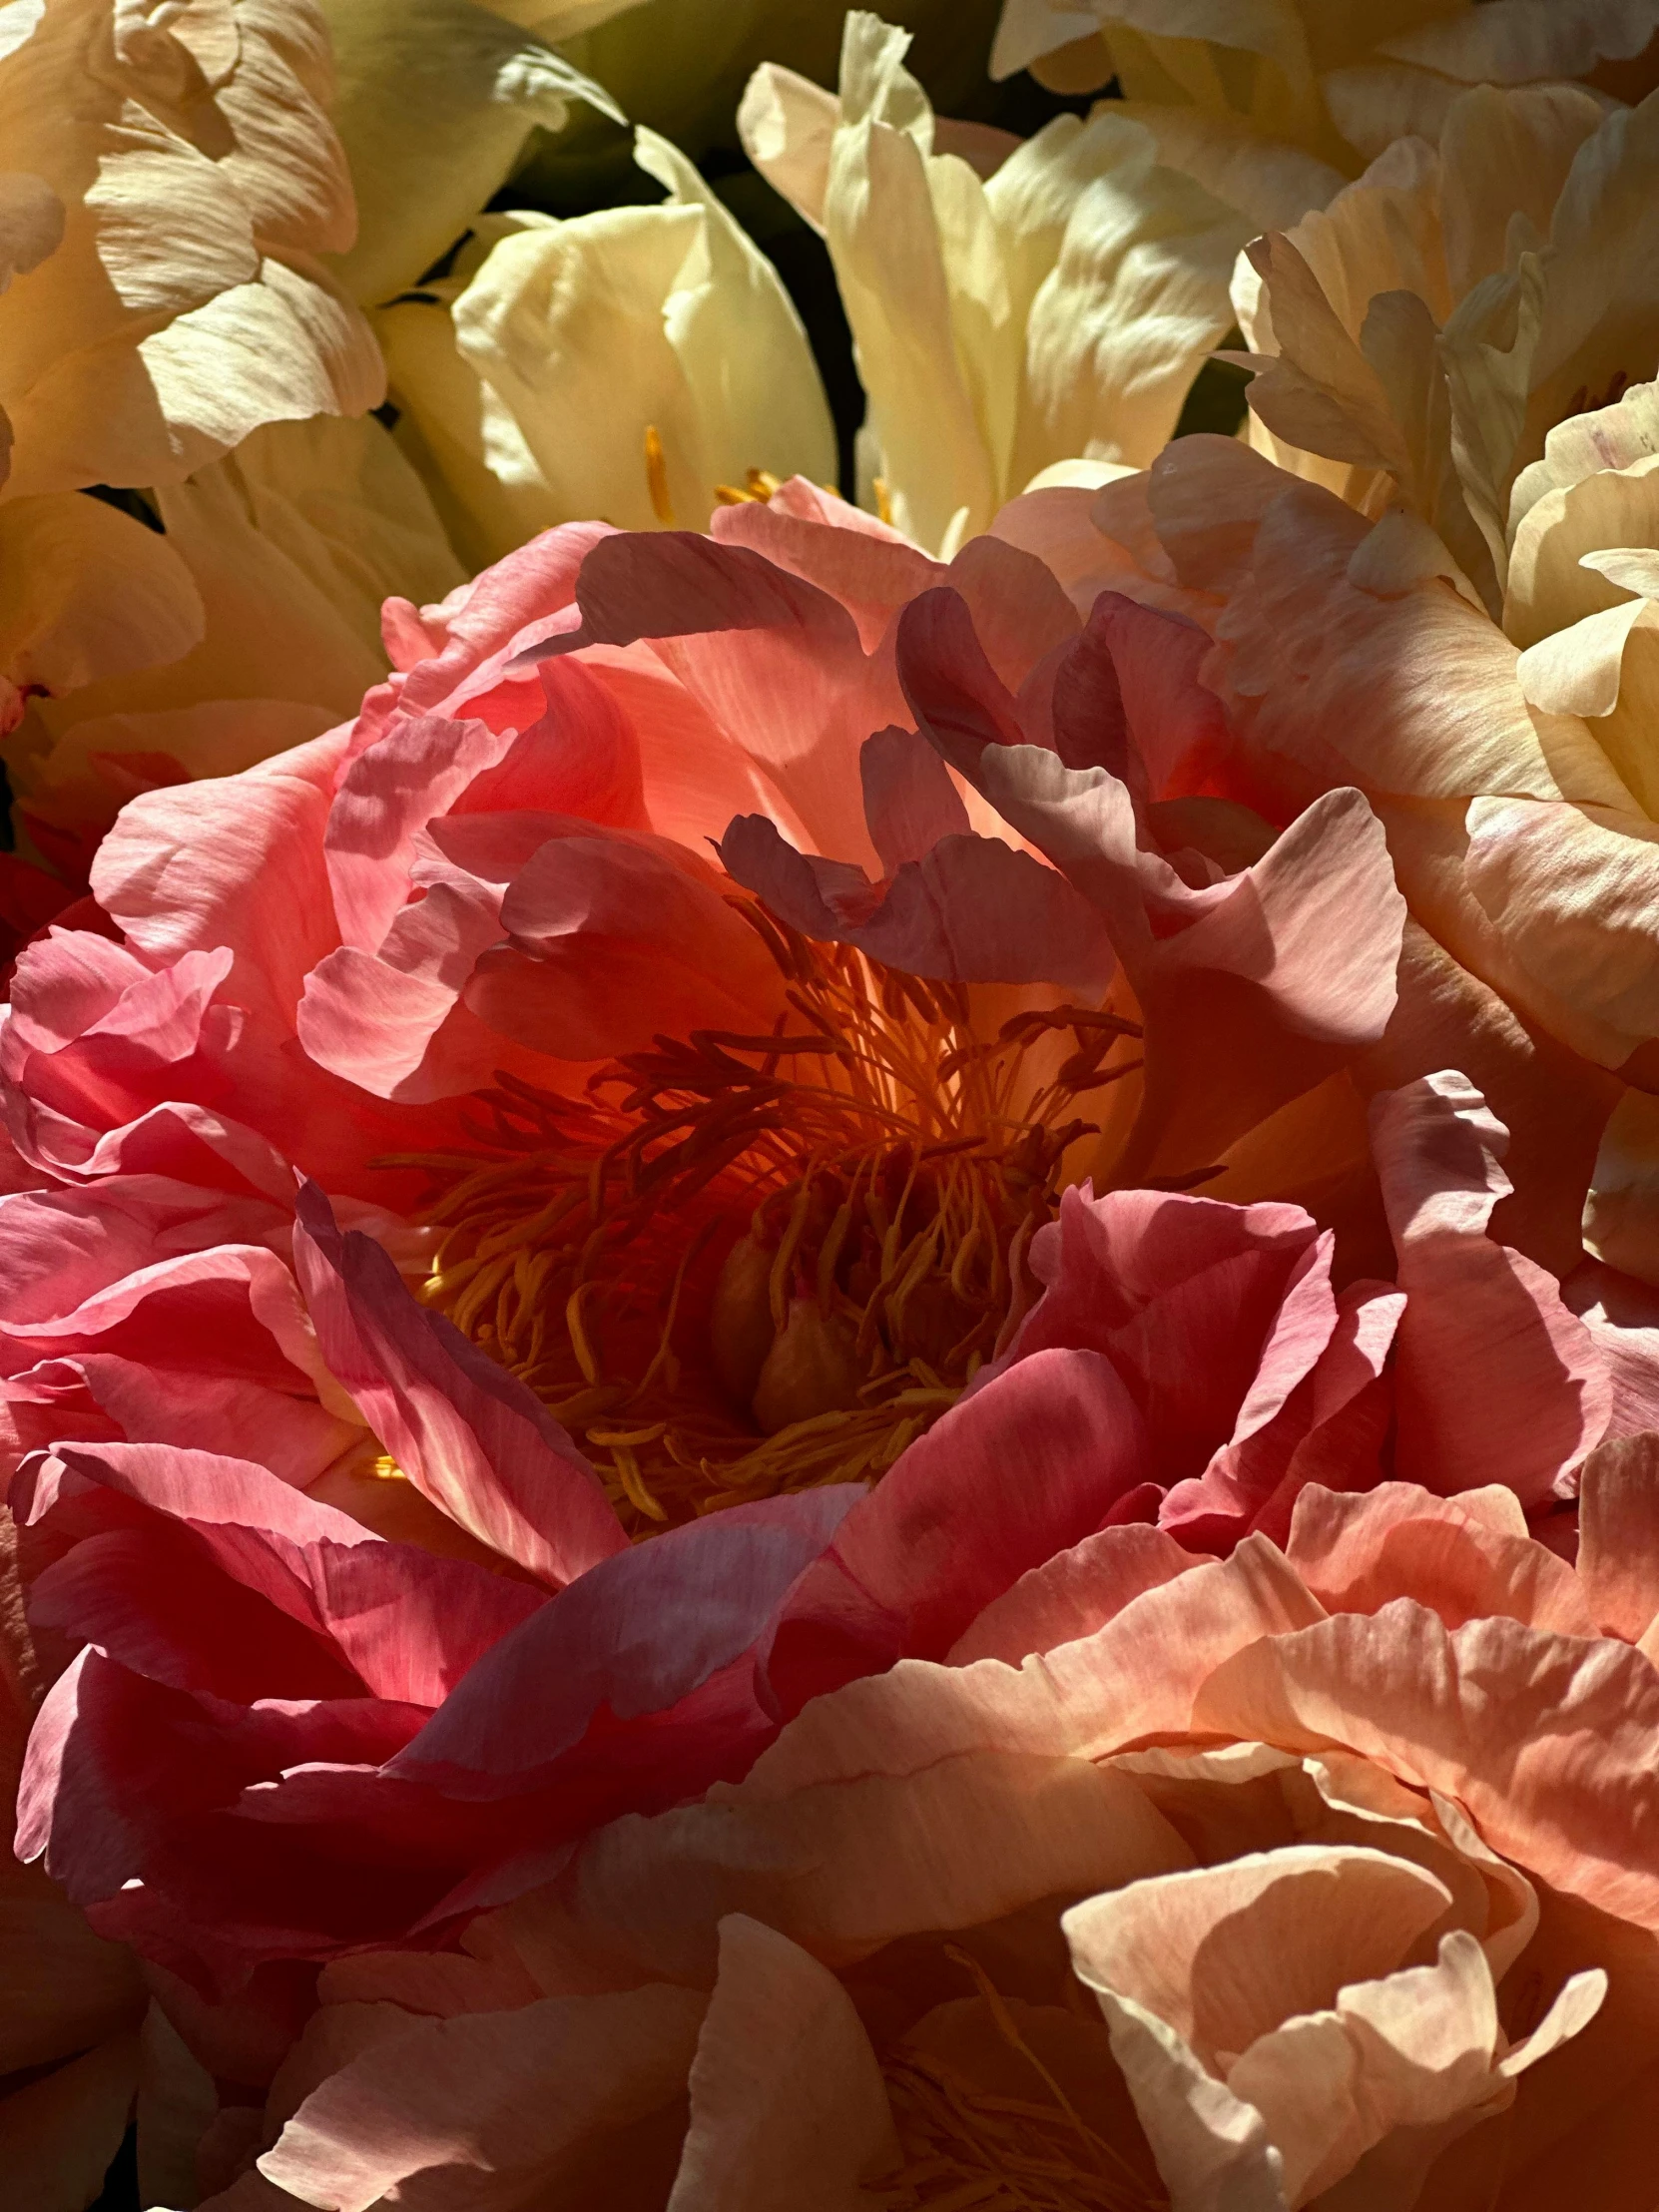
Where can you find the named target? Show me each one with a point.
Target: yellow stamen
(656, 477)
(739, 1265)
(757, 485)
(883, 504)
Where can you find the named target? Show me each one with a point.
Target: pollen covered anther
(739, 1265)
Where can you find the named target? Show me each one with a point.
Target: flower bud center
(741, 1265)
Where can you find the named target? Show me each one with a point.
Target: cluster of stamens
(965, 2147)
(739, 1265)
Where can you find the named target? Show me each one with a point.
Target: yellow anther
(656, 477)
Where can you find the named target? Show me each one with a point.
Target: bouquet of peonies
(830, 1114)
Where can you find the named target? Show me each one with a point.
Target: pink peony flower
(1305, 1871)
(458, 1657)
(472, 965)
(709, 1202)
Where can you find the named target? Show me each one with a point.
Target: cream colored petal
(1575, 892)
(1271, 185)
(1631, 567)
(786, 2100)
(1603, 292)
(1583, 445)
(1577, 671)
(914, 245)
(1576, 2006)
(1302, 2079)
(1133, 301)
(533, 375)
(197, 173)
(845, 1867)
(1490, 345)
(1373, 103)
(1212, 2147)
(436, 99)
(1028, 29)
(1513, 42)
(86, 592)
(1507, 156)
(292, 543)
(1427, 2038)
(1552, 579)
(1621, 1211)
(788, 125)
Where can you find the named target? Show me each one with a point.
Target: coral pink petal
(1496, 1380)
(469, 1437)
(1017, 1470)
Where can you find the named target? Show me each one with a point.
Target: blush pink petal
(1265, 973)
(1024, 1467)
(1496, 1382)
(615, 1655)
(468, 1436)
(235, 863)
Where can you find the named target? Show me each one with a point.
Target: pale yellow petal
(199, 176)
(436, 100)
(531, 378)
(86, 592)
(788, 125)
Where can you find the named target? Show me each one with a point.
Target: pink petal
(466, 1433)
(1495, 1380)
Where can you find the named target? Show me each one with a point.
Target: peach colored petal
(1461, 1711)
(500, 2103)
(1496, 1382)
(1226, 1954)
(845, 1867)
(1357, 1552)
(1074, 1593)
(787, 2101)
(1138, 1676)
(1618, 1535)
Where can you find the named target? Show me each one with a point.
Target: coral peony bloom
(484, 1667)
(1329, 1866)
(162, 235)
(1058, 311)
(495, 883)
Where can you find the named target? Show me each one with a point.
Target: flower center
(1015, 2145)
(737, 1264)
